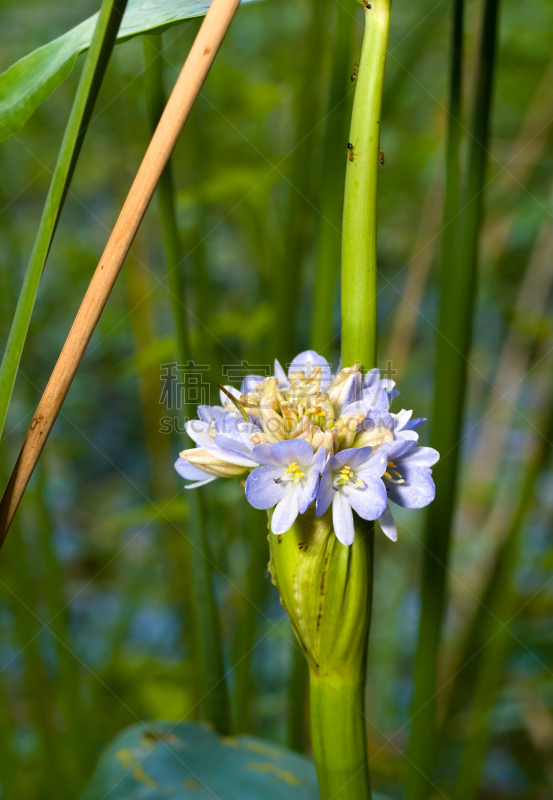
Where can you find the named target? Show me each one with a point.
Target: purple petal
(307, 490)
(342, 519)
(211, 413)
(319, 460)
(414, 423)
(250, 382)
(353, 457)
(281, 376)
(326, 492)
(286, 511)
(398, 449)
(201, 483)
(305, 362)
(401, 419)
(375, 465)
(261, 453)
(261, 490)
(372, 378)
(292, 450)
(189, 471)
(417, 491)
(192, 473)
(233, 436)
(369, 502)
(388, 525)
(421, 457)
(199, 432)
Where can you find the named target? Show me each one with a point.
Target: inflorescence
(311, 436)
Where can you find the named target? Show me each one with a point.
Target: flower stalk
(326, 589)
(359, 221)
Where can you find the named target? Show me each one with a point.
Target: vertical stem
(338, 737)
(216, 703)
(457, 291)
(326, 588)
(90, 82)
(337, 707)
(359, 223)
(337, 704)
(491, 624)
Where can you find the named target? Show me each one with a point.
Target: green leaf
(163, 760)
(107, 24)
(28, 82)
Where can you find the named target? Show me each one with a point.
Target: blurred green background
(94, 581)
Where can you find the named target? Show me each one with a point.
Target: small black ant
(351, 152)
(355, 71)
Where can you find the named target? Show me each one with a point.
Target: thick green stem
(92, 75)
(326, 588)
(338, 736)
(457, 292)
(359, 223)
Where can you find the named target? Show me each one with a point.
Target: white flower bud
(203, 459)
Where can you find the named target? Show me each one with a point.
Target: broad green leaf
(162, 760)
(187, 761)
(33, 78)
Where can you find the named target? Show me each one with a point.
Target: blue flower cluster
(313, 437)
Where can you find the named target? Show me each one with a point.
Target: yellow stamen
(394, 471)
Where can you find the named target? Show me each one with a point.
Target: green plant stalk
(90, 82)
(326, 589)
(215, 696)
(359, 266)
(329, 240)
(338, 737)
(490, 626)
(457, 291)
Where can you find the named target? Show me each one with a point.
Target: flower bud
(203, 459)
(318, 439)
(273, 424)
(304, 430)
(326, 588)
(259, 438)
(269, 389)
(344, 386)
(373, 436)
(289, 415)
(346, 429)
(330, 441)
